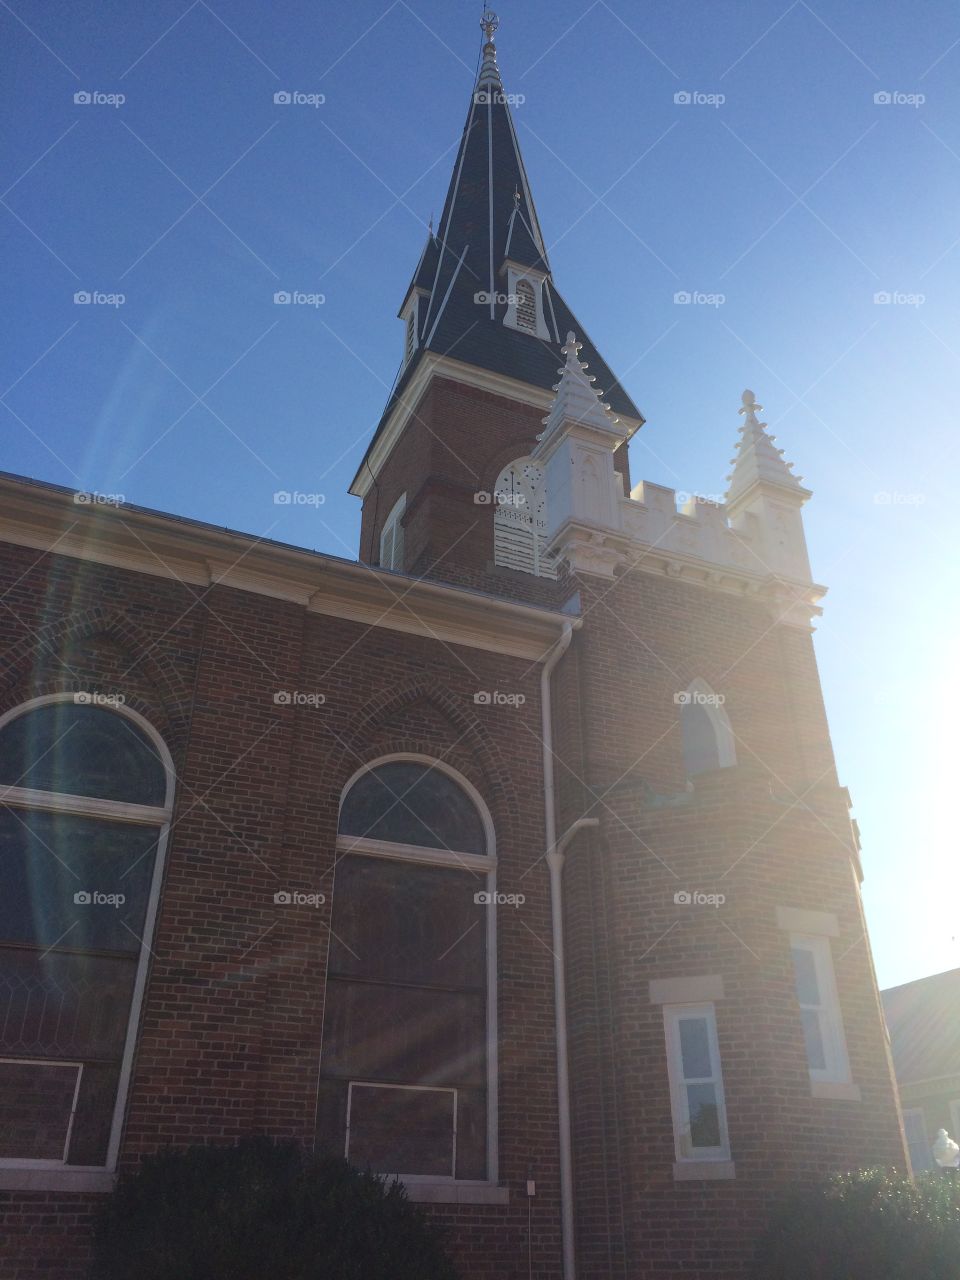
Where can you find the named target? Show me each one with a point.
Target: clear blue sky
(798, 199)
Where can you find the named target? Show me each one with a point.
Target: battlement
(695, 527)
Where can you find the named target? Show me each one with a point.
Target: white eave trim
(433, 365)
(160, 546)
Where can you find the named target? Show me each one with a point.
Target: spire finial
(750, 409)
(489, 75)
(490, 22)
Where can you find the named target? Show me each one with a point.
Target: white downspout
(555, 859)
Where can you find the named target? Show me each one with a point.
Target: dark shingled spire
(488, 218)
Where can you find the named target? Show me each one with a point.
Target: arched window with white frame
(86, 793)
(705, 730)
(408, 1063)
(520, 520)
(391, 537)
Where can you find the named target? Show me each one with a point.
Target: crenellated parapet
(752, 544)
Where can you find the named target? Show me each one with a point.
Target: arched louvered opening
(526, 306)
(520, 520)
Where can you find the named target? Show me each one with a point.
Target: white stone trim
(703, 989)
(703, 1170)
(800, 920)
(480, 1193)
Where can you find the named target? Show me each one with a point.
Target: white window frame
(486, 864)
(829, 1013)
(686, 1153)
(535, 280)
(914, 1113)
(391, 537)
(26, 797)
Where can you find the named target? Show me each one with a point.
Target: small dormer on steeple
(765, 495)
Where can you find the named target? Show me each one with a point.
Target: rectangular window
(696, 1085)
(819, 1003)
(918, 1144)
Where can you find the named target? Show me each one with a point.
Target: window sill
(20, 1179)
(457, 1193)
(703, 1170)
(834, 1091)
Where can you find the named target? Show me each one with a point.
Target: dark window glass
(704, 1115)
(406, 1005)
(73, 900)
(399, 1130)
(695, 1049)
(805, 976)
(403, 922)
(74, 882)
(411, 803)
(700, 750)
(81, 751)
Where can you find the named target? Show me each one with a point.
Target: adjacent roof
(489, 216)
(924, 1022)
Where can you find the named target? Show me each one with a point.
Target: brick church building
(510, 859)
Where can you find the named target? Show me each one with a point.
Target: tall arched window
(520, 520)
(85, 799)
(408, 1065)
(705, 729)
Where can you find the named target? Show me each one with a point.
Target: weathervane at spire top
(489, 22)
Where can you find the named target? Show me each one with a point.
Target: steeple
(483, 294)
(757, 459)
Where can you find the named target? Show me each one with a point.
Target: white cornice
(431, 366)
(195, 555)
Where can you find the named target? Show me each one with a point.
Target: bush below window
(259, 1210)
(866, 1226)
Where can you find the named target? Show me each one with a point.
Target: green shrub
(866, 1226)
(262, 1211)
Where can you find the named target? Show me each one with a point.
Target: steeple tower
(481, 310)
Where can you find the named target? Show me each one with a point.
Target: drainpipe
(555, 859)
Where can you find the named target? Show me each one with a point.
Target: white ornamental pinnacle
(758, 460)
(489, 72)
(576, 401)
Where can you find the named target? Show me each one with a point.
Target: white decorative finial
(490, 22)
(750, 407)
